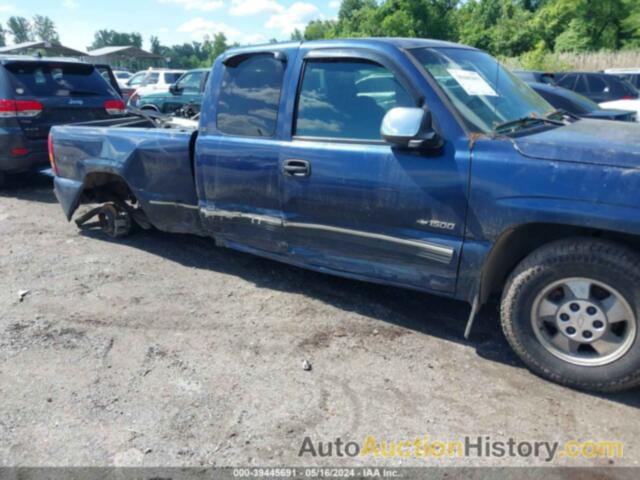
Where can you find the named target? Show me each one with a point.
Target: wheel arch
(150, 106)
(96, 187)
(516, 243)
(106, 186)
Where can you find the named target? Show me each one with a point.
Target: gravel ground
(164, 350)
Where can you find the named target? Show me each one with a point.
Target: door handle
(296, 168)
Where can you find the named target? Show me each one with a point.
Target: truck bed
(155, 163)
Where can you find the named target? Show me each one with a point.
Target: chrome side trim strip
(253, 218)
(432, 251)
(173, 204)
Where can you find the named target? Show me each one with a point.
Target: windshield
(484, 92)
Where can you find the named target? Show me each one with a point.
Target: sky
(173, 21)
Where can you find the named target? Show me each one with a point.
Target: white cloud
(335, 3)
(296, 16)
(6, 8)
(202, 5)
(163, 30)
(252, 7)
(199, 27)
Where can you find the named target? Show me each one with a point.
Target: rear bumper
(37, 152)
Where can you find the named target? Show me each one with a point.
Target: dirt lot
(166, 350)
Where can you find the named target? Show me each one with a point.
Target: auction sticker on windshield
(472, 82)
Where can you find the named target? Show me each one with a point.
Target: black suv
(599, 87)
(36, 93)
(574, 103)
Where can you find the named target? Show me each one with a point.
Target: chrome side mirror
(409, 128)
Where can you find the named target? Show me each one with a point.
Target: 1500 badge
(437, 224)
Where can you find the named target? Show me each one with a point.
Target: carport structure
(42, 48)
(128, 56)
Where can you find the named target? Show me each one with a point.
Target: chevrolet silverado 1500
(415, 163)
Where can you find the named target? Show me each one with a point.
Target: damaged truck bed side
(414, 163)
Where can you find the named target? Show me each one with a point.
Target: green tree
(3, 36)
(508, 28)
(503, 27)
(631, 26)
(531, 5)
(111, 38)
(514, 32)
(580, 25)
(44, 29)
(476, 19)
(416, 18)
(356, 18)
(319, 29)
(297, 35)
(156, 47)
(214, 49)
(20, 29)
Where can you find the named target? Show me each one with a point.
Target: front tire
(570, 311)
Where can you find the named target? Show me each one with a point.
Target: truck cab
(416, 163)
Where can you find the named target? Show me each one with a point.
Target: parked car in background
(150, 80)
(132, 84)
(122, 76)
(186, 92)
(37, 93)
(406, 162)
(157, 80)
(631, 75)
(599, 87)
(609, 91)
(576, 104)
(530, 76)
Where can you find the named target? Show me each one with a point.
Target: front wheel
(570, 312)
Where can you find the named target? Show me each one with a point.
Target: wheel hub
(581, 320)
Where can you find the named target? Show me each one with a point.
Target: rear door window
(249, 96)
(57, 80)
(152, 79)
(568, 81)
(581, 85)
(596, 84)
(622, 88)
(171, 78)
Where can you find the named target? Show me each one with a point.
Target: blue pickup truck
(408, 162)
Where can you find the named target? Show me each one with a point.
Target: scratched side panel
(367, 210)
